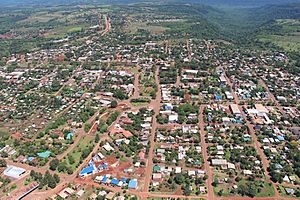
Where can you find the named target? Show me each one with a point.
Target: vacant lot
(135, 27)
(75, 156)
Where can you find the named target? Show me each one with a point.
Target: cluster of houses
(275, 143)
(219, 113)
(80, 191)
(179, 134)
(122, 183)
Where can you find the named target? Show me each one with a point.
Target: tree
(186, 190)
(3, 163)
(97, 138)
(87, 127)
(56, 178)
(220, 193)
(53, 164)
(114, 104)
(32, 174)
(71, 159)
(61, 167)
(51, 182)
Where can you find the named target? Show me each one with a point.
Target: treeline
(45, 180)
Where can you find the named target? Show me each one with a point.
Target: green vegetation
(140, 101)
(47, 180)
(72, 161)
(283, 33)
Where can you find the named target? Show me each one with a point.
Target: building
(235, 109)
(14, 172)
(133, 184)
(89, 170)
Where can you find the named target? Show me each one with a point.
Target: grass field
(267, 190)
(289, 37)
(288, 43)
(85, 142)
(134, 27)
(139, 103)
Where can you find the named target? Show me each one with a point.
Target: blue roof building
(132, 184)
(70, 135)
(104, 179)
(218, 97)
(44, 154)
(280, 138)
(168, 107)
(30, 158)
(87, 171)
(124, 180)
(105, 166)
(114, 181)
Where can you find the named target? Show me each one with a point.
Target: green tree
(114, 104)
(56, 178)
(53, 164)
(3, 163)
(97, 138)
(51, 182)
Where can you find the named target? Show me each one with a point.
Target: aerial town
(105, 114)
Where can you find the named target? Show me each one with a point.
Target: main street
(155, 104)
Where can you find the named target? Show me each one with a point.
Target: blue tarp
(132, 184)
(124, 180)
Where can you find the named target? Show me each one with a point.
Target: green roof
(156, 168)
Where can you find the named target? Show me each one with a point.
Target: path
(107, 25)
(136, 85)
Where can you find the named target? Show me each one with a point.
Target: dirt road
(155, 104)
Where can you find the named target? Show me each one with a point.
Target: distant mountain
(220, 3)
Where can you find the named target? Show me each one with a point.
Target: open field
(135, 27)
(75, 155)
(287, 38)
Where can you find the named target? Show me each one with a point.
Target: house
(261, 108)
(219, 162)
(177, 170)
(235, 109)
(286, 179)
(80, 193)
(88, 170)
(228, 95)
(156, 176)
(173, 118)
(108, 147)
(289, 191)
(110, 195)
(133, 184)
(247, 172)
(65, 193)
